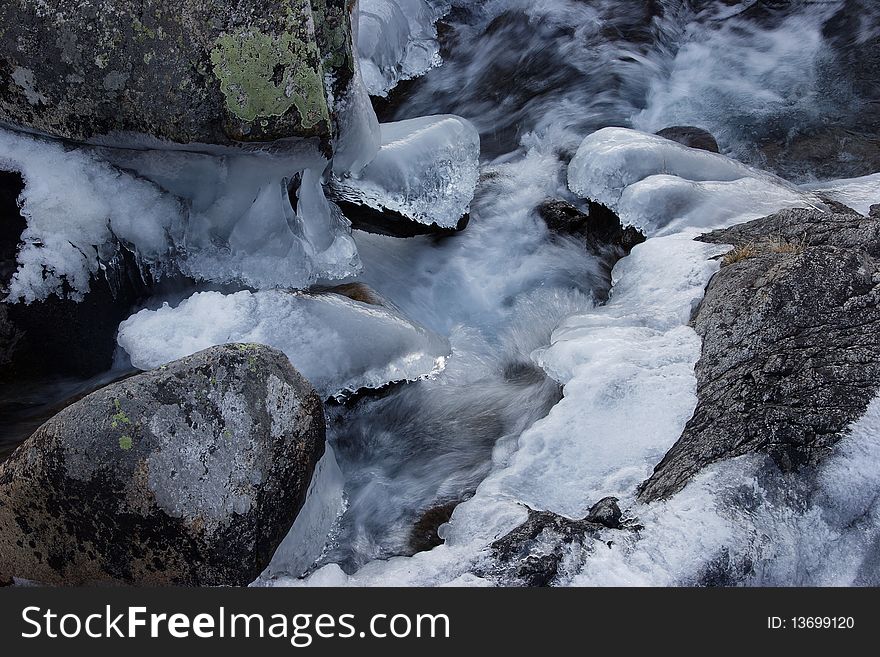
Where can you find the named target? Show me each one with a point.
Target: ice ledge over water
(662, 186)
(426, 170)
(338, 344)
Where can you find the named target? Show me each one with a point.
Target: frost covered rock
(789, 355)
(421, 181)
(534, 553)
(339, 344)
(217, 72)
(191, 474)
(662, 186)
(396, 40)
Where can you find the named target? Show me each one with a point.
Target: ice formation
(338, 344)
(78, 210)
(662, 186)
(629, 389)
(219, 218)
(324, 502)
(396, 40)
(858, 193)
(426, 170)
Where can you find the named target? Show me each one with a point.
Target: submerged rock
(690, 136)
(532, 554)
(191, 474)
(216, 72)
(790, 357)
(424, 534)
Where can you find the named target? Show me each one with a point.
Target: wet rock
(218, 72)
(382, 221)
(190, 474)
(424, 534)
(600, 230)
(355, 292)
(532, 554)
(600, 227)
(790, 356)
(691, 137)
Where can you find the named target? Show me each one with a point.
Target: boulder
(790, 357)
(691, 137)
(190, 474)
(217, 72)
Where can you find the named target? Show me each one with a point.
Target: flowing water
(536, 78)
(788, 86)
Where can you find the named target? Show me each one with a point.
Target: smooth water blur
(536, 78)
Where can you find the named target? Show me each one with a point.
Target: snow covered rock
(534, 553)
(422, 180)
(191, 474)
(58, 336)
(789, 355)
(662, 186)
(396, 40)
(339, 344)
(209, 72)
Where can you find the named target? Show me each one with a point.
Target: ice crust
(426, 169)
(396, 40)
(338, 344)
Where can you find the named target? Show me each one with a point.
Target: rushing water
(535, 78)
(783, 85)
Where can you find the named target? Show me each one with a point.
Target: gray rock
(790, 355)
(531, 554)
(874, 211)
(191, 474)
(216, 72)
(691, 137)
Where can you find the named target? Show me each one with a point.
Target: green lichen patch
(125, 442)
(119, 418)
(263, 75)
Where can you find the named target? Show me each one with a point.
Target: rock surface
(213, 72)
(532, 553)
(691, 137)
(191, 474)
(790, 355)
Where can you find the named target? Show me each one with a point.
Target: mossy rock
(190, 72)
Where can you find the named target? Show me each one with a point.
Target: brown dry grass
(771, 245)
